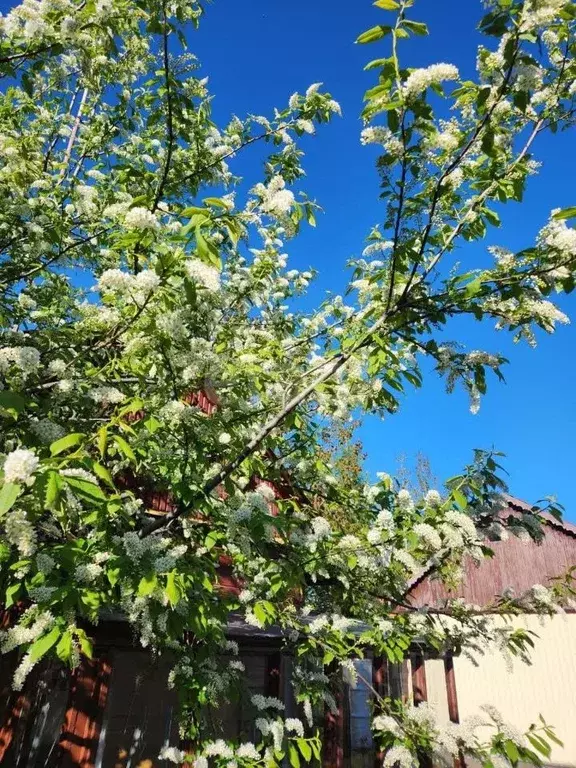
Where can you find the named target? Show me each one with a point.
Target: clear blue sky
(257, 53)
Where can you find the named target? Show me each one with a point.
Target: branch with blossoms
(141, 277)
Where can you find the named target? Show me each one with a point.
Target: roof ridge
(523, 506)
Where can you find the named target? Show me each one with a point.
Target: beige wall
(546, 687)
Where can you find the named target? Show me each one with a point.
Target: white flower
(22, 672)
(82, 474)
(433, 498)
(318, 624)
(147, 281)
(266, 702)
(349, 673)
(421, 79)
(251, 618)
(313, 89)
(140, 218)
(224, 438)
(404, 499)
(106, 395)
(383, 136)
(294, 725)
(263, 725)
(219, 748)
(276, 200)
(20, 466)
(277, 731)
(541, 595)
(57, 367)
(86, 574)
(321, 528)
(463, 522)
(114, 281)
(266, 492)
(305, 125)
(401, 556)
(385, 520)
(386, 723)
(19, 531)
(428, 535)
(399, 757)
(27, 359)
(248, 751)
(350, 542)
(203, 274)
(374, 535)
(26, 302)
(172, 754)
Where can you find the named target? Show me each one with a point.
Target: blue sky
(256, 55)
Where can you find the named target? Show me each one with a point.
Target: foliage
(135, 273)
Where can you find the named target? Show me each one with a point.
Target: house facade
(520, 692)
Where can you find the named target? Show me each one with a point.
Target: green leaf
(59, 446)
(512, 751)
(8, 496)
(418, 27)
(147, 584)
(211, 539)
(374, 34)
(207, 251)
(217, 201)
(377, 63)
(85, 488)
(473, 288)
(460, 499)
(293, 755)
(102, 440)
(187, 212)
(52, 489)
(124, 448)
(386, 5)
(539, 744)
(85, 644)
(305, 749)
(172, 590)
(12, 402)
(103, 474)
(64, 647)
(566, 213)
(41, 646)
(11, 594)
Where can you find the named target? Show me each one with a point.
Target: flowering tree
(135, 274)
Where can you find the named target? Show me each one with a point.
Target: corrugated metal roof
(516, 564)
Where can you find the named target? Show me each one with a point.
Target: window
(389, 680)
(234, 719)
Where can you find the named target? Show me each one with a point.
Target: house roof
(516, 564)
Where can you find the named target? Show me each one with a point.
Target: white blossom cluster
(421, 79)
(20, 466)
(25, 359)
(276, 200)
(137, 286)
(203, 274)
